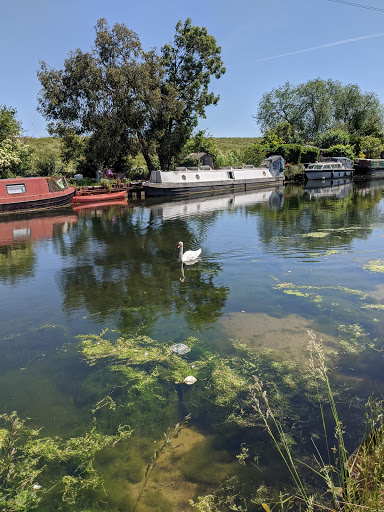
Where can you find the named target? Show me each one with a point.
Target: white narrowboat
(192, 180)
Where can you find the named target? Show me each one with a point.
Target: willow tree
(118, 100)
(316, 106)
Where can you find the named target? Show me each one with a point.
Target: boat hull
(328, 174)
(55, 200)
(187, 189)
(99, 197)
(98, 204)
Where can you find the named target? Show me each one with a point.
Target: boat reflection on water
(35, 226)
(271, 198)
(338, 189)
(97, 208)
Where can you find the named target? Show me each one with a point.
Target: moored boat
(334, 168)
(192, 180)
(24, 194)
(99, 196)
(369, 168)
(95, 205)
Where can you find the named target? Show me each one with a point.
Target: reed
(354, 482)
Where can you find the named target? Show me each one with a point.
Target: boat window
(231, 175)
(317, 166)
(16, 189)
(60, 183)
(183, 176)
(197, 177)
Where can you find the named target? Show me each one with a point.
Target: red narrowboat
(24, 194)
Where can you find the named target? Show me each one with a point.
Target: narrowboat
(24, 194)
(369, 168)
(335, 168)
(193, 180)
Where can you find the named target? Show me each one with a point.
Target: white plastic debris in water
(37, 487)
(190, 380)
(180, 348)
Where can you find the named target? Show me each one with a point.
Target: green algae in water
(374, 266)
(309, 287)
(373, 306)
(318, 234)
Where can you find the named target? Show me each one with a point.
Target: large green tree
(319, 105)
(121, 100)
(14, 154)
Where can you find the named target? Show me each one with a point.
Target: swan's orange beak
(179, 246)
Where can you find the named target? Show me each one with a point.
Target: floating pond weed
(376, 265)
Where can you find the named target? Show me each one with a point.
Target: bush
(371, 146)
(332, 138)
(340, 150)
(255, 154)
(228, 159)
(309, 154)
(290, 152)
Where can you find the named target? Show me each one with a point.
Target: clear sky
(249, 32)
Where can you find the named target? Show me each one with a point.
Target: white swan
(188, 256)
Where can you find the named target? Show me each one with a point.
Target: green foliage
(316, 106)
(31, 466)
(340, 150)
(15, 158)
(255, 154)
(10, 127)
(228, 159)
(123, 100)
(309, 154)
(14, 154)
(200, 142)
(290, 152)
(332, 137)
(282, 133)
(371, 146)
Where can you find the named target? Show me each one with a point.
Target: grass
(225, 144)
(44, 145)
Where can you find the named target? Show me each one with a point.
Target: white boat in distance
(192, 180)
(335, 168)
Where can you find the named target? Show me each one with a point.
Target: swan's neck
(181, 253)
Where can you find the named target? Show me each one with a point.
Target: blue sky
(248, 31)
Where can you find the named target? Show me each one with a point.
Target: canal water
(275, 263)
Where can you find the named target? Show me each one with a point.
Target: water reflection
(18, 234)
(338, 189)
(272, 198)
(322, 218)
(124, 265)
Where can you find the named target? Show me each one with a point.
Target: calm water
(274, 263)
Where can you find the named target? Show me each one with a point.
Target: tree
(281, 105)
(124, 100)
(9, 125)
(359, 113)
(319, 105)
(372, 147)
(332, 137)
(14, 154)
